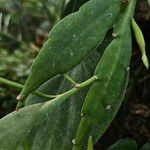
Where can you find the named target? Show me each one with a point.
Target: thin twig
(62, 97)
(70, 79)
(20, 86)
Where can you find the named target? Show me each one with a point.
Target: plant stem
(70, 79)
(62, 97)
(20, 86)
(81, 85)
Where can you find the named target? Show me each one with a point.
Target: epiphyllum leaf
(106, 94)
(71, 40)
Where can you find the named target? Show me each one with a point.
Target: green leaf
(61, 131)
(17, 125)
(62, 123)
(105, 95)
(146, 146)
(71, 40)
(122, 65)
(120, 69)
(124, 144)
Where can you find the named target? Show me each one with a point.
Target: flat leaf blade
(106, 94)
(62, 123)
(61, 131)
(72, 39)
(15, 126)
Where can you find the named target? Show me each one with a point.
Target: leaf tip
(145, 61)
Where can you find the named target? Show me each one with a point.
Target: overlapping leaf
(120, 68)
(58, 130)
(105, 95)
(71, 40)
(17, 125)
(58, 125)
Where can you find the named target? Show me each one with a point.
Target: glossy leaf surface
(17, 125)
(58, 130)
(68, 115)
(105, 95)
(71, 40)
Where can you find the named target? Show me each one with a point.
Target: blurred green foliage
(24, 26)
